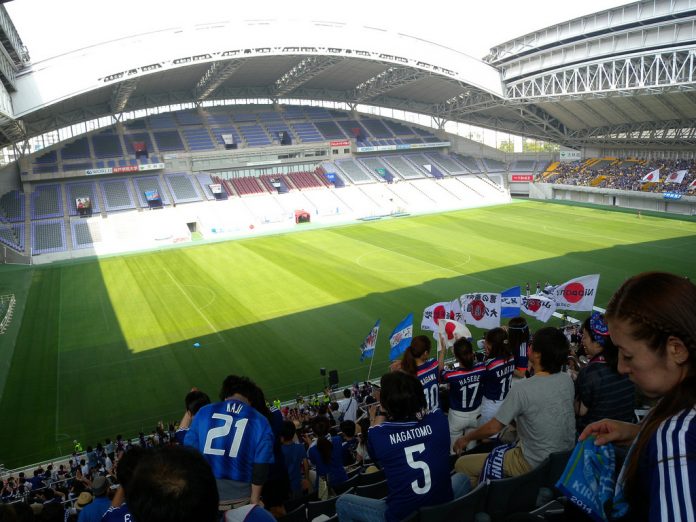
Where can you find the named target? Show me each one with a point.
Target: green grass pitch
(106, 346)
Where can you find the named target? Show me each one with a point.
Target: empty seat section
(45, 169)
(304, 180)
(307, 132)
(182, 188)
(107, 145)
(138, 124)
(138, 136)
(469, 162)
(117, 195)
(421, 160)
(218, 118)
(372, 164)
(85, 233)
(189, 118)
(12, 206)
(270, 116)
(493, 165)
(148, 183)
(377, 128)
(244, 117)
(12, 235)
(330, 167)
(162, 121)
(348, 127)
(168, 141)
(351, 168)
(254, 135)
(81, 189)
(47, 202)
(447, 163)
(317, 113)
(48, 236)
(422, 132)
(198, 139)
(268, 181)
(78, 149)
(246, 186)
(293, 112)
(220, 131)
(275, 128)
(402, 167)
(330, 130)
(78, 166)
(398, 129)
(205, 181)
(47, 159)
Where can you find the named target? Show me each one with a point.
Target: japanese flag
(481, 309)
(577, 294)
(450, 331)
(433, 313)
(539, 306)
(652, 177)
(677, 177)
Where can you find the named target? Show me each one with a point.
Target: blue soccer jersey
(667, 471)
(118, 514)
(415, 459)
(334, 470)
(498, 376)
(465, 388)
(232, 436)
(428, 374)
(521, 358)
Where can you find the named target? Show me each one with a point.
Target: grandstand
(216, 140)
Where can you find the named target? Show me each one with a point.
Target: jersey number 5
(415, 464)
(223, 431)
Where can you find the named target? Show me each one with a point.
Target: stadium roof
(617, 77)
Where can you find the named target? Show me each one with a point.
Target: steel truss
(385, 81)
(121, 93)
(646, 73)
(304, 71)
(216, 74)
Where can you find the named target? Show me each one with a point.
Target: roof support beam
(217, 73)
(121, 93)
(304, 71)
(389, 79)
(471, 100)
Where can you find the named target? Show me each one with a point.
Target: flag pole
(372, 359)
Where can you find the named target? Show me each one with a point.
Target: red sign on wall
(130, 168)
(340, 143)
(522, 177)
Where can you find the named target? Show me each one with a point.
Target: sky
(52, 27)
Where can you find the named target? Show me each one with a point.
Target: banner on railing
(404, 146)
(521, 177)
(127, 168)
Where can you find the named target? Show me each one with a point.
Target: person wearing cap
(99, 505)
(601, 392)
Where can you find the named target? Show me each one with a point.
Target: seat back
(463, 508)
(515, 494)
(321, 507)
(371, 478)
(297, 515)
(378, 490)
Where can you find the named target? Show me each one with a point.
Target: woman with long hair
(600, 390)
(500, 367)
(465, 390)
(652, 322)
(518, 340)
(326, 454)
(417, 361)
(410, 444)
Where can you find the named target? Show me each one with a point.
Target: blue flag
(367, 348)
(510, 301)
(400, 338)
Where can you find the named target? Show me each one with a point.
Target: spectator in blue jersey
(295, 457)
(465, 390)
(194, 401)
(652, 322)
(518, 339)
(173, 484)
(542, 408)
(326, 454)
(350, 442)
(235, 439)
(410, 444)
(99, 505)
(500, 367)
(119, 512)
(601, 392)
(417, 361)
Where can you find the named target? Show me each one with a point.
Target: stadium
(249, 197)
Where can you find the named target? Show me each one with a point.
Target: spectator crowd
(431, 432)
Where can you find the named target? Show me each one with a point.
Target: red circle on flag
(439, 313)
(574, 292)
(533, 305)
(478, 309)
(449, 330)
